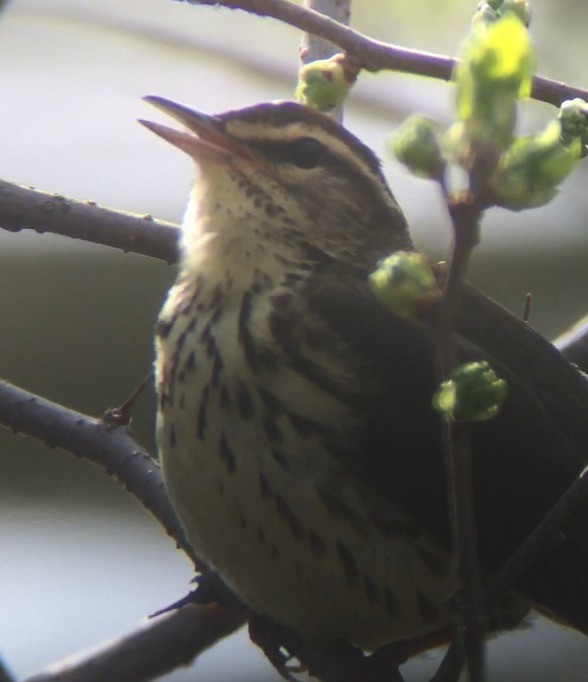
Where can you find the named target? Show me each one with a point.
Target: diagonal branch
(375, 55)
(27, 208)
(110, 447)
(156, 648)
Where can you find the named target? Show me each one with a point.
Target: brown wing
(524, 460)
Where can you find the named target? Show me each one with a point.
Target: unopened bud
(573, 119)
(325, 83)
(530, 171)
(416, 145)
(473, 393)
(405, 283)
(495, 71)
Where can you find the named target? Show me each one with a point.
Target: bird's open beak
(204, 138)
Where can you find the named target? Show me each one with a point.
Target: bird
(295, 427)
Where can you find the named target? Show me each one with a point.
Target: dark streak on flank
(281, 326)
(164, 327)
(244, 401)
(271, 428)
(372, 591)
(348, 564)
(340, 510)
(227, 455)
(280, 458)
(217, 368)
(264, 487)
(287, 515)
(317, 544)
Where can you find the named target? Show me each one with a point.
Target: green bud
(531, 170)
(325, 83)
(405, 283)
(573, 119)
(495, 71)
(416, 145)
(473, 394)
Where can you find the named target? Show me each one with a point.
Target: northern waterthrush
(295, 426)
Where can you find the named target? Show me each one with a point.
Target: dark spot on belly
(190, 362)
(211, 350)
(288, 516)
(264, 487)
(341, 510)
(244, 401)
(162, 400)
(272, 431)
(270, 402)
(202, 421)
(227, 455)
(164, 327)
(280, 458)
(172, 435)
(217, 368)
(348, 563)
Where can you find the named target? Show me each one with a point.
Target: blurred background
(81, 561)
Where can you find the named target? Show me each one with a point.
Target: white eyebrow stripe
(245, 130)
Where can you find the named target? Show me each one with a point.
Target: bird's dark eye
(306, 153)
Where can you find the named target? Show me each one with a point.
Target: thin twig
(375, 55)
(156, 648)
(28, 208)
(527, 310)
(541, 537)
(465, 216)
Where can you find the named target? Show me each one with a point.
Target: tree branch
(111, 448)
(156, 648)
(27, 208)
(375, 55)
(574, 344)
